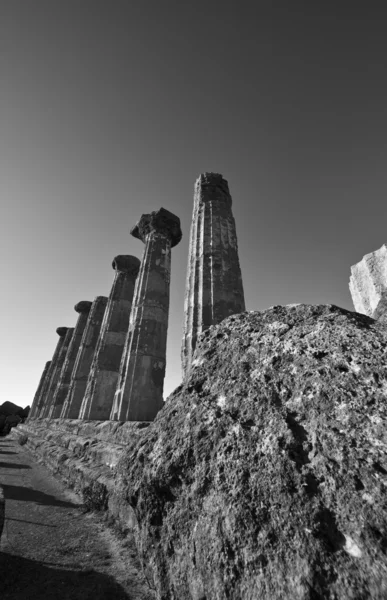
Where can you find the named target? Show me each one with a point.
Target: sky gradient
(109, 110)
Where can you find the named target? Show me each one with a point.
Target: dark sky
(112, 109)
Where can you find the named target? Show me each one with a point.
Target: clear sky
(110, 109)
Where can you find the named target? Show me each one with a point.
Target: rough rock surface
(368, 284)
(264, 475)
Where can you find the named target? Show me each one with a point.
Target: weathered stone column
(62, 388)
(40, 403)
(104, 372)
(139, 394)
(48, 401)
(214, 288)
(38, 391)
(368, 284)
(81, 371)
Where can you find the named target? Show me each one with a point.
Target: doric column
(139, 394)
(62, 388)
(103, 377)
(34, 406)
(76, 392)
(214, 288)
(48, 401)
(40, 403)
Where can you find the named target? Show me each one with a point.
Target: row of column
(112, 364)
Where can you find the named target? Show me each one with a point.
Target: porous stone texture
(72, 404)
(214, 288)
(139, 394)
(104, 371)
(34, 406)
(48, 401)
(264, 475)
(62, 388)
(41, 401)
(368, 284)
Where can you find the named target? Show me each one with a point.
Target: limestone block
(214, 288)
(368, 284)
(264, 475)
(81, 370)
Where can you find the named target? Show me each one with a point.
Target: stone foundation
(83, 455)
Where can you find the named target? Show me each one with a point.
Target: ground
(51, 547)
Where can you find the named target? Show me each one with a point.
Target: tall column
(72, 404)
(56, 372)
(103, 377)
(139, 394)
(62, 388)
(40, 403)
(34, 407)
(214, 288)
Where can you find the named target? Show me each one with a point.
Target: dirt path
(50, 548)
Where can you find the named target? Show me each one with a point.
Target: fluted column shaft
(56, 373)
(104, 372)
(139, 394)
(72, 405)
(214, 288)
(41, 401)
(62, 388)
(34, 406)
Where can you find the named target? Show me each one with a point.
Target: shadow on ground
(6, 451)
(18, 492)
(23, 578)
(10, 465)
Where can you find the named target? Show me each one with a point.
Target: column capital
(83, 306)
(159, 221)
(61, 331)
(126, 264)
(212, 186)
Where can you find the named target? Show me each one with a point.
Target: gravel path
(51, 548)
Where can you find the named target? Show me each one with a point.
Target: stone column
(56, 373)
(139, 394)
(104, 372)
(33, 410)
(368, 284)
(62, 388)
(40, 403)
(72, 404)
(214, 288)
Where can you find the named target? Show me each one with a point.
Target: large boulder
(264, 476)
